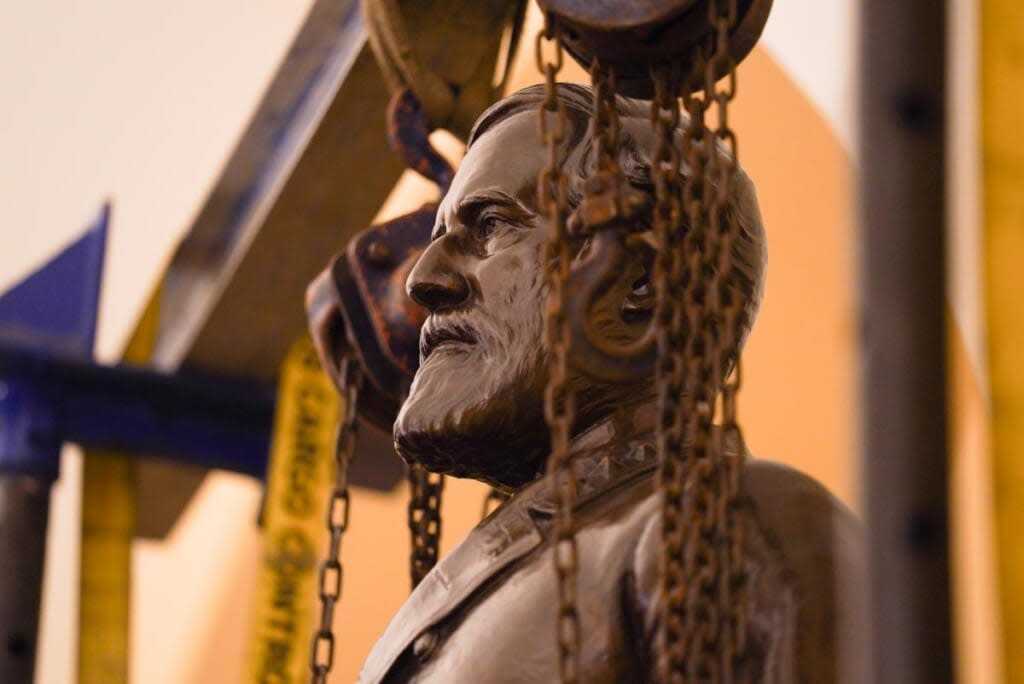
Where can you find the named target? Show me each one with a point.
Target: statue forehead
(506, 158)
(510, 155)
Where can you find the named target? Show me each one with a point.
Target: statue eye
(487, 225)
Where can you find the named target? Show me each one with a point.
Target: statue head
(475, 406)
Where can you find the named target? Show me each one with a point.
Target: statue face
(474, 409)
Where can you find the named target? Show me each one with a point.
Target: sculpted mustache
(434, 334)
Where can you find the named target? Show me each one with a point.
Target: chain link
(331, 571)
(669, 230)
(692, 606)
(424, 521)
(724, 165)
(605, 126)
(559, 401)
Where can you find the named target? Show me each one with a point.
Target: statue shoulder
(784, 503)
(806, 557)
(802, 519)
(786, 499)
(820, 547)
(807, 524)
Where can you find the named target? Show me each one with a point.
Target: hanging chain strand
(669, 373)
(605, 126)
(730, 448)
(559, 402)
(703, 618)
(424, 521)
(331, 575)
(687, 615)
(702, 628)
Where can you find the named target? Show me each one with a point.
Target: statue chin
(463, 422)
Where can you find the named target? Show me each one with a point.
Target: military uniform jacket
(486, 613)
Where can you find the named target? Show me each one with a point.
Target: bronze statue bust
(485, 613)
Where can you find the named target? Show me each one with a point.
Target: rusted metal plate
(615, 15)
(631, 36)
(370, 278)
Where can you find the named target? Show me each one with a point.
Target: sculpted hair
(749, 251)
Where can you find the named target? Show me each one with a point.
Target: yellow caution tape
(299, 481)
(108, 524)
(1002, 44)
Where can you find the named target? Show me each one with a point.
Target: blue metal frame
(52, 393)
(212, 422)
(51, 311)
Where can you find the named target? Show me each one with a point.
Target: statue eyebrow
(472, 206)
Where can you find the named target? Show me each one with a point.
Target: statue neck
(623, 424)
(621, 442)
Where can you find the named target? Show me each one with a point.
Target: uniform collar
(596, 472)
(606, 454)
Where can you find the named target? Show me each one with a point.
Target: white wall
(140, 102)
(815, 41)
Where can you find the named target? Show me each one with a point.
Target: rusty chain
(698, 320)
(605, 126)
(689, 611)
(703, 579)
(424, 520)
(724, 165)
(670, 378)
(331, 573)
(559, 401)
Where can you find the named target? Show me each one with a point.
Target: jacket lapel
(507, 536)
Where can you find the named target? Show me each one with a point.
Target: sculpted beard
(475, 410)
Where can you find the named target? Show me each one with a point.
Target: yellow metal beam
(108, 521)
(108, 524)
(1002, 114)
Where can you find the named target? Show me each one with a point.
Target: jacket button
(424, 645)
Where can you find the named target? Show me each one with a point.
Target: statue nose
(449, 291)
(435, 283)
